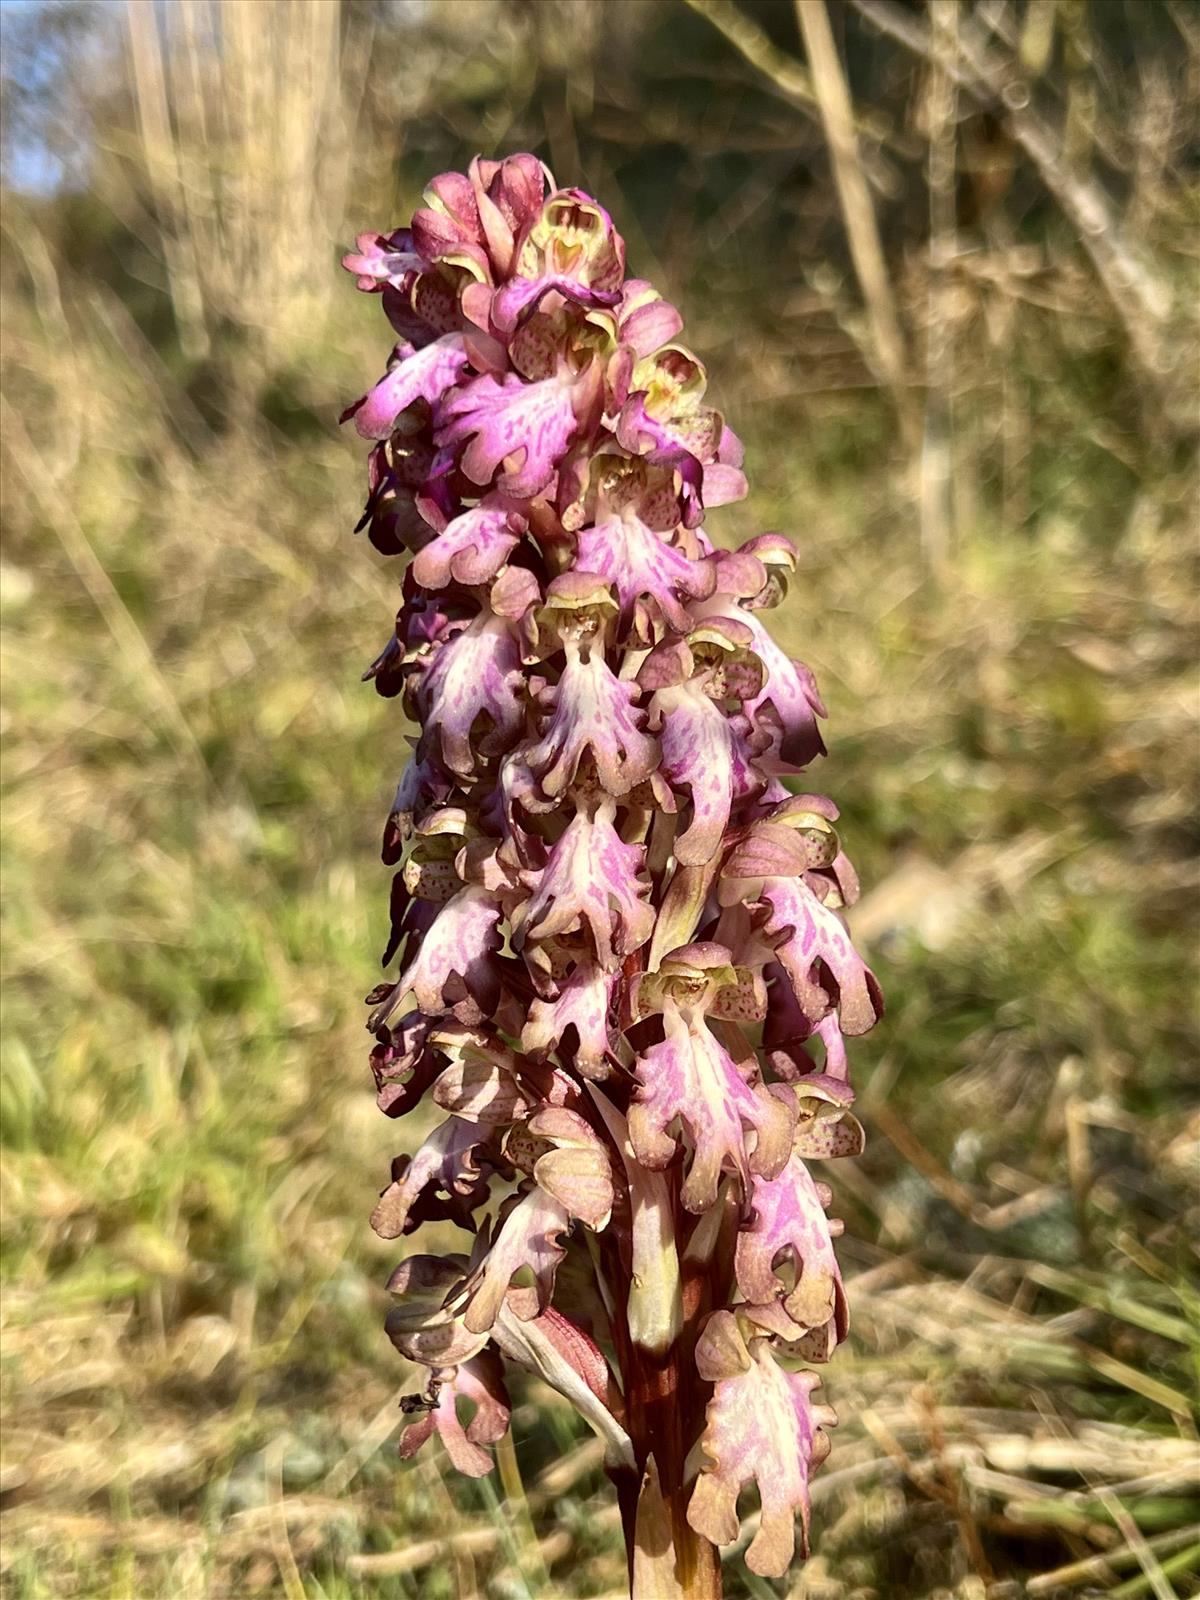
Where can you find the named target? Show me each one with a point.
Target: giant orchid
(624, 979)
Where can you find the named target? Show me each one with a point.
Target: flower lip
(381, 258)
(761, 1424)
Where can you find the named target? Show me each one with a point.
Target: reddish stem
(665, 1401)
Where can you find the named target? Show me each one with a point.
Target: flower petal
(420, 375)
(690, 1076)
(596, 712)
(480, 1382)
(582, 1004)
(761, 1427)
(476, 674)
(532, 423)
(527, 1235)
(455, 955)
(646, 321)
(522, 296)
(382, 258)
(697, 755)
(723, 485)
(472, 548)
(789, 1223)
(590, 881)
(449, 1163)
(404, 1064)
(640, 563)
(790, 691)
(814, 948)
(575, 237)
(666, 445)
(515, 187)
(480, 1087)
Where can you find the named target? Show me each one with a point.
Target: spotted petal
(526, 427)
(528, 1236)
(641, 565)
(594, 711)
(582, 1004)
(472, 548)
(790, 1226)
(690, 1076)
(418, 375)
(664, 445)
(761, 1427)
(448, 1162)
(476, 674)
(455, 955)
(590, 881)
(790, 692)
(814, 948)
(698, 747)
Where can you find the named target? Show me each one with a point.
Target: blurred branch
(937, 448)
(1187, 23)
(858, 212)
(1140, 299)
(782, 71)
(788, 76)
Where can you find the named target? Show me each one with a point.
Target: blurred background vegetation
(963, 359)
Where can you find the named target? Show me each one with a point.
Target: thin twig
(858, 211)
(787, 75)
(783, 72)
(937, 445)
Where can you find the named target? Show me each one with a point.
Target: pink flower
(601, 875)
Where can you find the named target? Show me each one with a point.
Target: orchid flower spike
(623, 978)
